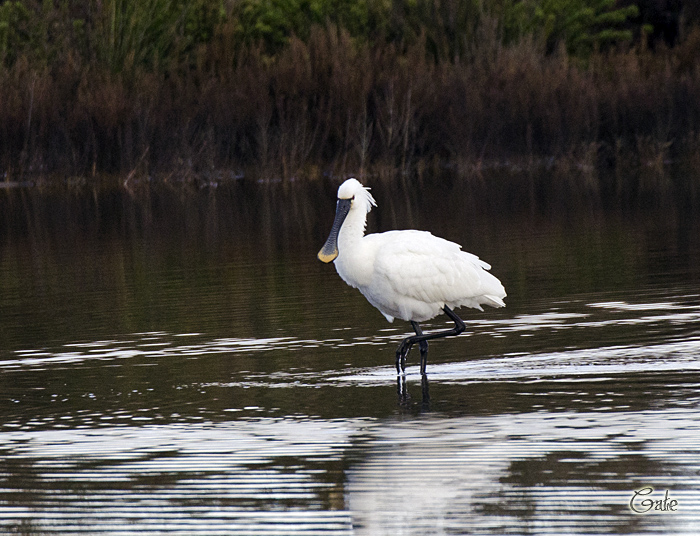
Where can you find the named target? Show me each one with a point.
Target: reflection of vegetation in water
(240, 259)
(296, 89)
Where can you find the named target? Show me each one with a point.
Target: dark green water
(178, 361)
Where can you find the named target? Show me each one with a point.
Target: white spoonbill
(411, 275)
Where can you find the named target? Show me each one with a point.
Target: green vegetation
(296, 88)
(580, 25)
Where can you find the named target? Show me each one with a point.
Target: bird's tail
(493, 301)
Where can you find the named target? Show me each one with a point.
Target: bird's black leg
(459, 324)
(401, 353)
(423, 345)
(421, 338)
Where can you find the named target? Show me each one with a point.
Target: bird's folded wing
(421, 266)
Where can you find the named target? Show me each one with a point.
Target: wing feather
(419, 266)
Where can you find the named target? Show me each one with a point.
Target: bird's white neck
(353, 262)
(353, 228)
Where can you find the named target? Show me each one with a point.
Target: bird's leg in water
(423, 345)
(402, 352)
(422, 339)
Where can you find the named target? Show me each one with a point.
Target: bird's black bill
(329, 251)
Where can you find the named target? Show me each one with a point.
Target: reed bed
(333, 104)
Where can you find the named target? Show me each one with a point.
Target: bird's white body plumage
(409, 274)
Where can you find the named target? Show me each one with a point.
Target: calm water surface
(177, 361)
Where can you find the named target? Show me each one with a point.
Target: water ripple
(538, 472)
(194, 479)
(668, 315)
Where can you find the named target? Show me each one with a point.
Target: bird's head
(352, 196)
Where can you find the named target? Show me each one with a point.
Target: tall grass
(151, 99)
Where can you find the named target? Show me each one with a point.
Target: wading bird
(410, 274)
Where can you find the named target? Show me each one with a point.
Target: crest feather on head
(353, 189)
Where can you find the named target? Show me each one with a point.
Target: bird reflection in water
(405, 396)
